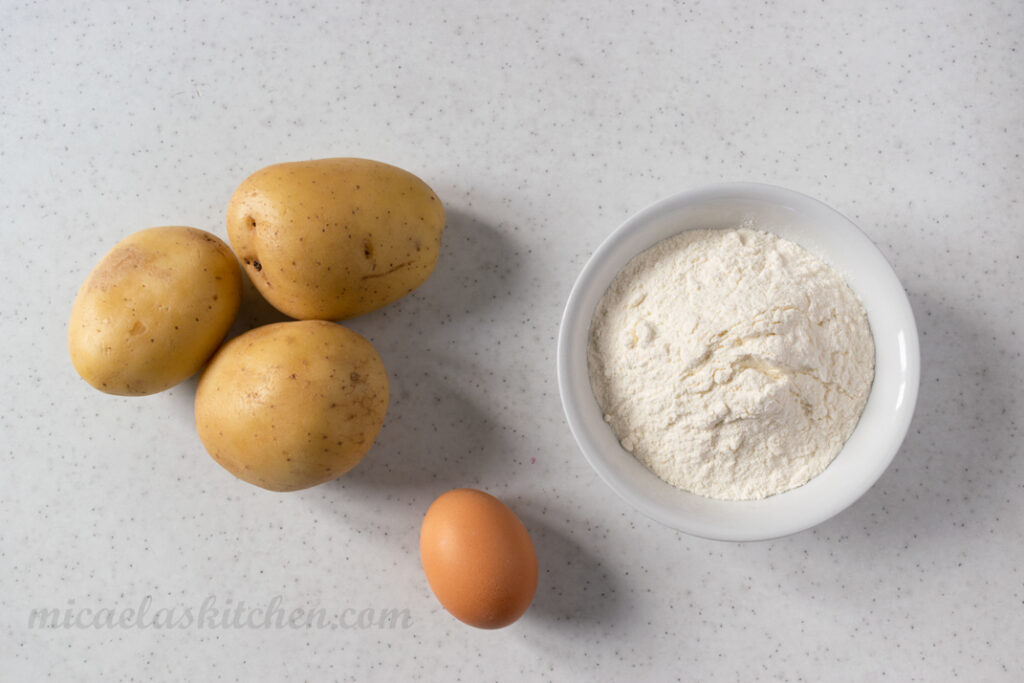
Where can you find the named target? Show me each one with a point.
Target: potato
(153, 310)
(334, 238)
(291, 405)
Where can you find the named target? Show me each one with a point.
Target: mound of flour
(732, 363)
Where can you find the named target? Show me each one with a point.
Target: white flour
(732, 363)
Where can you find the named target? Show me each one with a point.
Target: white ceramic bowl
(890, 406)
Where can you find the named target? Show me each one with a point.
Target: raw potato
(335, 238)
(291, 405)
(153, 310)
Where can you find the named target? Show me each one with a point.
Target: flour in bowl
(732, 363)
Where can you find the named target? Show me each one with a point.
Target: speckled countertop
(542, 127)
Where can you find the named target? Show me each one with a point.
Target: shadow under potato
(440, 430)
(478, 266)
(434, 436)
(477, 272)
(254, 311)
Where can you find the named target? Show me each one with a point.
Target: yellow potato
(291, 405)
(334, 238)
(153, 310)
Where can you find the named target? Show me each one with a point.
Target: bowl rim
(573, 316)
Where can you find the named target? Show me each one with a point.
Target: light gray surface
(541, 128)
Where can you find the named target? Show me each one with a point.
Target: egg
(478, 558)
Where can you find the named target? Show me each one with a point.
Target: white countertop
(541, 127)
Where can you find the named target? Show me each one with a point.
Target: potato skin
(334, 238)
(153, 310)
(292, 405)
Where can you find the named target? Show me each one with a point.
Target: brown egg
(478, 558)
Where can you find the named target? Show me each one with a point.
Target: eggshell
(478, 558)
